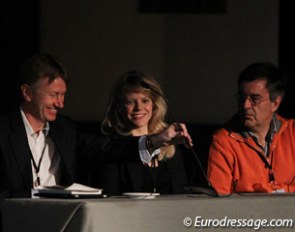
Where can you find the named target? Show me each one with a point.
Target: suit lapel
(21, 153)
(57, 135)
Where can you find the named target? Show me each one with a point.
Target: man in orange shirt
(255, 151)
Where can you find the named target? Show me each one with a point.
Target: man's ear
(26, 92)
(276, 103)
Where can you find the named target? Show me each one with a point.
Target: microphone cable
(211, 190)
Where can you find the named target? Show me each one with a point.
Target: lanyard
(266, 156)
(268, 165)
(37, 166)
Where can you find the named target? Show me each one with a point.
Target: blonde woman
(136, 108)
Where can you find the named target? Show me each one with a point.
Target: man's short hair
(41, 66)
(276, 80)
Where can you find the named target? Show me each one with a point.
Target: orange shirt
(237, 164)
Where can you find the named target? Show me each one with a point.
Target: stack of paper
(73, 191)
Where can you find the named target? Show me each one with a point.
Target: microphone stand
(210, 189)
(153, 171)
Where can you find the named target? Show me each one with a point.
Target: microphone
(210, 189)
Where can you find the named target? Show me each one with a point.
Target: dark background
(21, 29)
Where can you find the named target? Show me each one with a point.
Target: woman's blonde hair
(116, 121)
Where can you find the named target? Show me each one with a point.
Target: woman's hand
(175, 133)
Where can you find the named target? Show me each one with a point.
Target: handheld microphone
(210, 189)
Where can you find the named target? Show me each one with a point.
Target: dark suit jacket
(15, 165)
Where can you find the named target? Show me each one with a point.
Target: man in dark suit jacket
(37, 146)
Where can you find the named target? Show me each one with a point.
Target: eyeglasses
(254, 99)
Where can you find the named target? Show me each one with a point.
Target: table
(164, 213)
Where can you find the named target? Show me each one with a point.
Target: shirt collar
(275, 123)
(272, 129)
(28, 127)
